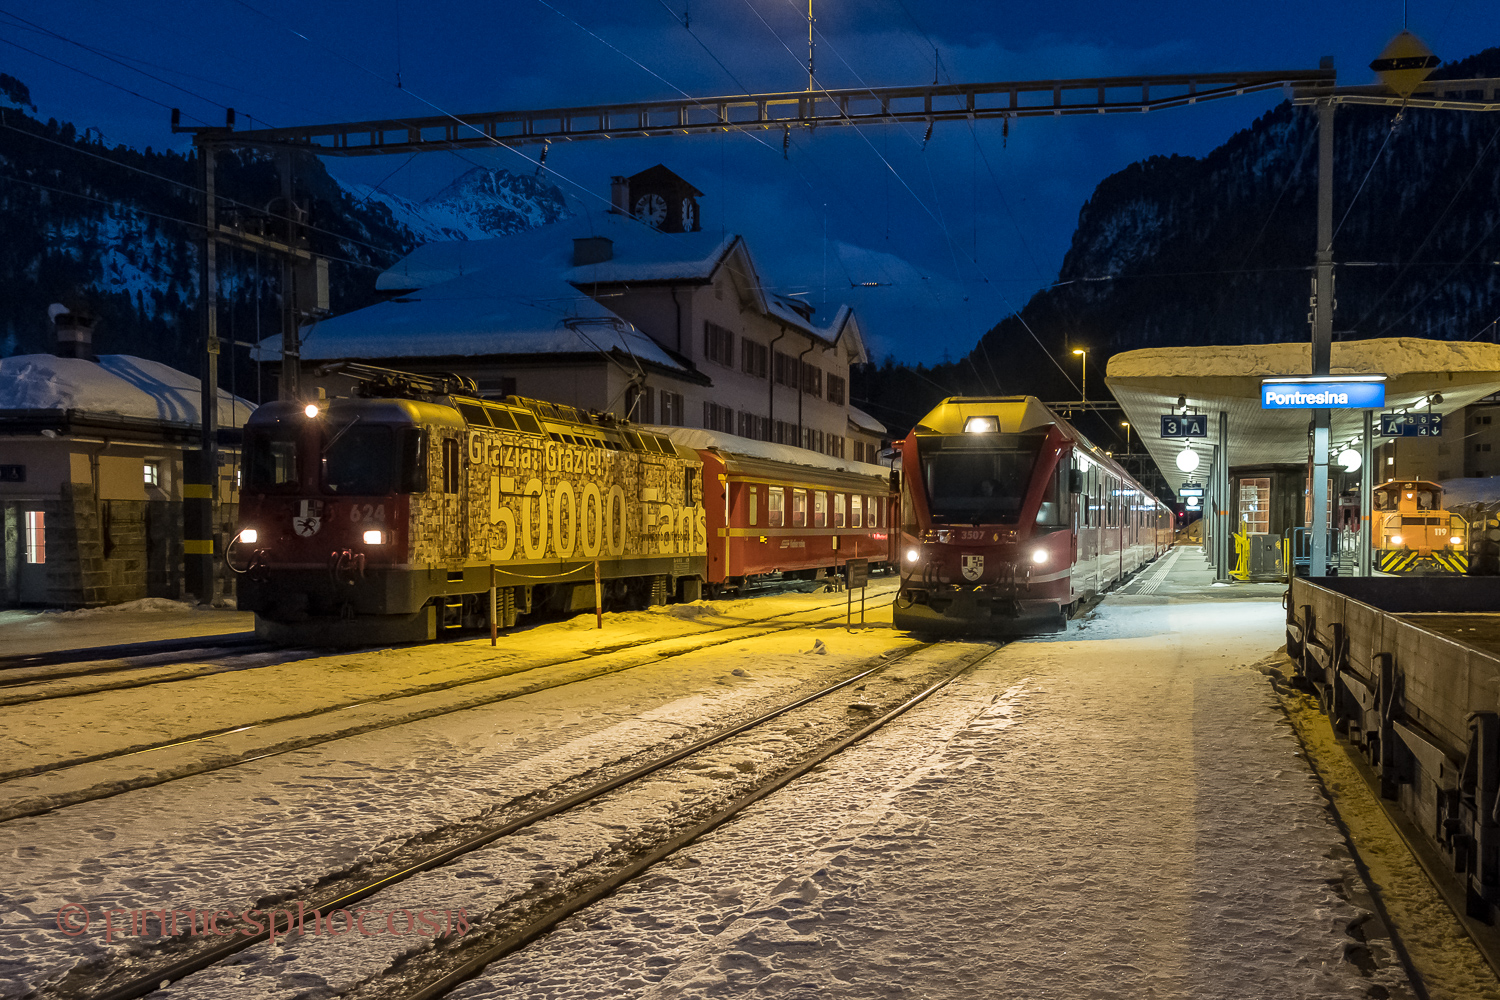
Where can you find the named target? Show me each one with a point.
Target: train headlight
(912, 555)
(981, 425)
(1456, 540)
(374, 537)
(249, 536)
(311, 409)
(1395, 539)
(1039, 556)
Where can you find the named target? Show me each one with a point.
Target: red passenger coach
(1010, 517)
(777, 509)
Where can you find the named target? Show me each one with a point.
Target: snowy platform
(24, 632)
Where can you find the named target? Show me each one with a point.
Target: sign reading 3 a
(1188, 425)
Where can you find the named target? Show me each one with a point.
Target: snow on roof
(117, 383)
(476, 316)
(698, 438)
(538, 258)
(859, 418)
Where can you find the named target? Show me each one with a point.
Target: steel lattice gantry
(798, 109)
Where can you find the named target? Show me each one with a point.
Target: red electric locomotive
(386, 516)
(1010, 517)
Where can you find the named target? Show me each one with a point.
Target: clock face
(652, 208)
(689, 215)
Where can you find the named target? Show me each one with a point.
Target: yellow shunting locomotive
(1412, 533)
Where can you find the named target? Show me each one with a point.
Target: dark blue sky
(958, 234)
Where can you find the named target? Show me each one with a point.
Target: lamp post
(1126, 424)
(1084, 389)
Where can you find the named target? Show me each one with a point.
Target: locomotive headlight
(1395, 539)
(912, 555)
(311, 409)
(1039, 556)
(249, 536)
(374, 537)
(981, 425)
(1456, 540)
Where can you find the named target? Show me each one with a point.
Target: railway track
(609, 660)
(524, 916)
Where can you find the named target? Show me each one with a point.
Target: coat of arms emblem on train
(309, 519)
(972, 565)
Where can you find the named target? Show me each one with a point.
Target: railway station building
(619, 311)
(1256, 464)
(91, 476)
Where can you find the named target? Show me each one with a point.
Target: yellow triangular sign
(1404, 63)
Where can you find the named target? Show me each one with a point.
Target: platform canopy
(1148, 383)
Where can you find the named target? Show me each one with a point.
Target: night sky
(958, 235)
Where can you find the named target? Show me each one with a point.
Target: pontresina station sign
(1323, 392)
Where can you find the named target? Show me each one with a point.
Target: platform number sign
(1411, 425)
(1187, 425)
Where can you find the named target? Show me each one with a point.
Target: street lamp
(1085, 356)
(1126, 424)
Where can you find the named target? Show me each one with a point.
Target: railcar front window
(360, 459)
(270, 459)
(968, 485)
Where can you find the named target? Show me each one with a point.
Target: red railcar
(777, 509)
(1010, 517)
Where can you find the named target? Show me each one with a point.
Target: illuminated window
(752, 506)
(152, 472)
(799, 508)
(36, 537)
(820, 509)
(857, 511)
(1255, 505)
(775, 506)
(838, 510)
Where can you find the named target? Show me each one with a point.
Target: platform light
(1350, 460)
(1187, 459)
(311, 409)
(981, 425)
(912, 555)
(374, 537)
(1039, 556)
(249, 536)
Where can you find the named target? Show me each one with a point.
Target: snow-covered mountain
(478, 205)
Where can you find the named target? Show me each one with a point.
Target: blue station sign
(1323, 392)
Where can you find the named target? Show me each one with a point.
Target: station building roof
(1147, 383)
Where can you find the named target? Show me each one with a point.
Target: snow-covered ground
(23, 632)
(1118, 811)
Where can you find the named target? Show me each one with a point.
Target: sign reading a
(1323, 392)
(1188, 425)
(1411, 425)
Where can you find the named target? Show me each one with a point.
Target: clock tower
(662, 199)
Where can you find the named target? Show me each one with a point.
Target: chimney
(75, 331)
(619, 195)
(592, 250)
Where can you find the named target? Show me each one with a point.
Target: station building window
(152, 472)
(1255, 505)
(36, 537)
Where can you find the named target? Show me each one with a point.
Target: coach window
(820, 509)
(753, 511)
(450, 465)
(799, 508)
(838, 510)
(856, 511)
(775, 506)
